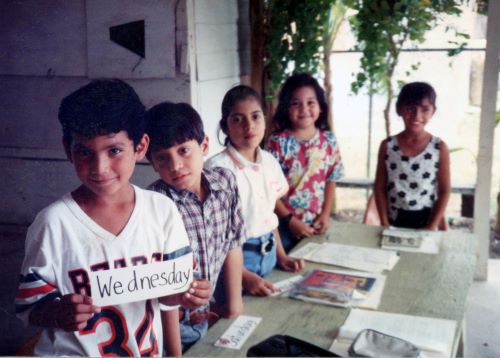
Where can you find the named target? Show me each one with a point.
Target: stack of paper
(433, 336)
(353, 257)
(411, 240)
(340, 288)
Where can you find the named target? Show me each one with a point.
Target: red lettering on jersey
(80, 280)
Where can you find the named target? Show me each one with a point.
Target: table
(420, 285)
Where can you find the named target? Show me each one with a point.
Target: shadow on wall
(12, 332)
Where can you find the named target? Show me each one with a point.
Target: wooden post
(257, 29)
(486, 136)
(193, 78)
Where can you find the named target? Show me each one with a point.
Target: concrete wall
(47, 52)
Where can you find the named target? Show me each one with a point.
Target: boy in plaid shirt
(208, 201)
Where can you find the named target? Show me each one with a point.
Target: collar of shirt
(241, 162)
(208, 178)
(306, 142)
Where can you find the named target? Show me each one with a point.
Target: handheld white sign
(142, 282)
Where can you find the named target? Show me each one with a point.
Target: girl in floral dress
(309, 156)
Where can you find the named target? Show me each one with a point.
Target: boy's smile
(105, 163)
(181, 165)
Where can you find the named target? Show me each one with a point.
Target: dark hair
(294, 82)
(102, 107)
(169, 124)
(413, 93)
(235, 94)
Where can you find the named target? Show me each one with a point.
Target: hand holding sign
(73, 311)
(70, 313)
(197, 295)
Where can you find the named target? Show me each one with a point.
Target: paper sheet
(353, 257)
(238, 332)
(433, 335)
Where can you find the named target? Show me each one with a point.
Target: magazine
(332, 288)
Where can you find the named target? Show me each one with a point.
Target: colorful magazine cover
(331, 288)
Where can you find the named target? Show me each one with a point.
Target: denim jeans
(256, 262)
(253, 261)
(191, 333)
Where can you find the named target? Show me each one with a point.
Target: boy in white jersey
(106, 223)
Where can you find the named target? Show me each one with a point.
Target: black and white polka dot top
(411, 181)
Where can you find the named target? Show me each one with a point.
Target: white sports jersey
(64, 244)
(260, 184)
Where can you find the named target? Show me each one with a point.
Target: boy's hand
(257, 286)
(197, 295)
(289, 264)
(72, 312)
(300, 229)
(320, 225)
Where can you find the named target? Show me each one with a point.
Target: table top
(420, 285)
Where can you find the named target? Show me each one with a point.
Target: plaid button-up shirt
(215, 226)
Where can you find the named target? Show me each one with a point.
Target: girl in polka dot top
(412, 183)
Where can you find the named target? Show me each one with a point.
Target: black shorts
(413, 219)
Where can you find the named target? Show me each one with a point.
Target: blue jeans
(253, 261)
(191, 333)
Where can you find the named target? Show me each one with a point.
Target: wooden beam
(193, 72)
(486, 138)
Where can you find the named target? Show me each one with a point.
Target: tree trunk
(387, 109)
(258, 43)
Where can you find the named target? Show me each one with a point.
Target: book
(411, 240)
(332, 288)
(400, 241)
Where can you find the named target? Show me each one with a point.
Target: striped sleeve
(33, 290)
(36, 281)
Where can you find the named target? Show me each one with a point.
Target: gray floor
(482, 315)
(482, 309)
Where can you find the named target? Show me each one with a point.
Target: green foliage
(382, 28)
(295, 35)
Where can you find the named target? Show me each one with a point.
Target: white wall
(215, 29)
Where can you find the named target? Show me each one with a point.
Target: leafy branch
(383, 28)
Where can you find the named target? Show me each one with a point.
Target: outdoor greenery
(383, 28)
(295, 33)
(299, 38)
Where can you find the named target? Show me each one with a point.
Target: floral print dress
(308, 165)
